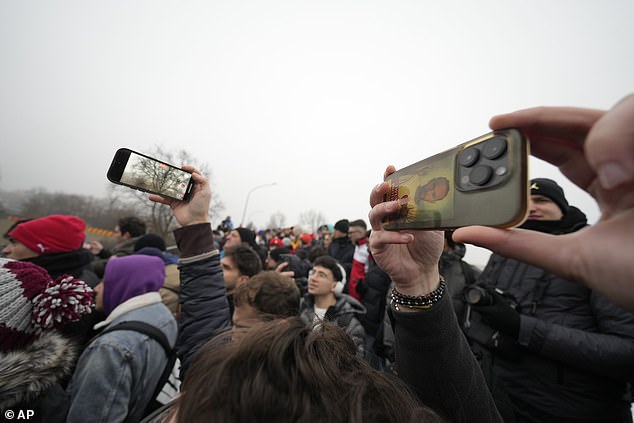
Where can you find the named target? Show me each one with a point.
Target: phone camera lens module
(480, 175)
(494, 148)
(469, 157)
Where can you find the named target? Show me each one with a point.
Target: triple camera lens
(479, 160)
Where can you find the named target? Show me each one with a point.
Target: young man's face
(231, 274)
(321, 281)
(17, 251)
(119, 236)
(543, 208)
(356, 233)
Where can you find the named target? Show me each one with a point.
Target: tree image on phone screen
(150, 175)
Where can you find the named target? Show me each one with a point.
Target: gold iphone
(480, 182)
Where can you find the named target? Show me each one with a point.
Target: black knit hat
(150, 240)
(549, 188)
(342, 226)
(248, 236)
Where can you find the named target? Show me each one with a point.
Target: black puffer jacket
(342, 249)
(574, 352)
(344, 313)
(374, 292)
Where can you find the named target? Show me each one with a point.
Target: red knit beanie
(51, 234)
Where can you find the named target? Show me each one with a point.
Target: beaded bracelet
(421, 302)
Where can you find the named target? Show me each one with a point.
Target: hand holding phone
(147, 174)
(481, 182)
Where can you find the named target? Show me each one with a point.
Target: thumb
(610, 145)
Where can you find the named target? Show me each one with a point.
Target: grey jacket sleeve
(606, 350)
(434, 358)
(204, 304)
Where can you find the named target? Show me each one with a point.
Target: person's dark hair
(316, 251)
(329, 263)
(359, 223)
(246, 259)
(289, 372)
(150, 240)
(276, 253)
(271, 293)
(13, 226)
(132, 225)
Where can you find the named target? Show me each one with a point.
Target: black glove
(500, 315)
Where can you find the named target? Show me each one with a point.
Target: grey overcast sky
(317, 96)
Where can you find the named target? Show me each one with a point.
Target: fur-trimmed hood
(31, 371)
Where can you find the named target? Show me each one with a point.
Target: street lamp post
(246, 203)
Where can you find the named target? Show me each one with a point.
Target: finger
(380, 239)
(564, 124)
(380, 211)
(388, 171)
(557, 135)
(160, 199)
(191, 169)
(378, 194)
(610, 145)
(281, 266)
(555, 253)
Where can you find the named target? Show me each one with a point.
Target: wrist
(410, 303)
(420, 286)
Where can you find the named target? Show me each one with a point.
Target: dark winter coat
(204, 305)
(344, 313)
(373, 297)
(434, 358)
(574, 351)
(457, 274)
(342, 249)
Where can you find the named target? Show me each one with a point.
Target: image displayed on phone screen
(153, 176)
(429, 188)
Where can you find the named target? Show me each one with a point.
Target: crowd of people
(349, 323)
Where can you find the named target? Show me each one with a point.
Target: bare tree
(277, 220)
(312, 219)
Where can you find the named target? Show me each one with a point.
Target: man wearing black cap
(246, 235)
(552, 349)
(342, 248)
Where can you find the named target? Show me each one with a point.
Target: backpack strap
(144, 328)
(158, 335)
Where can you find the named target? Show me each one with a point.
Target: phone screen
(151, 175)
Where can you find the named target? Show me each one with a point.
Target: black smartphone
(480, 182)
(147, 174)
